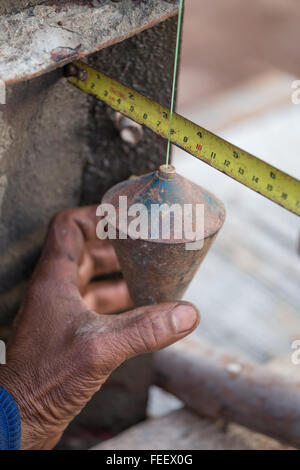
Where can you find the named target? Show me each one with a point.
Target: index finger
(64, 247)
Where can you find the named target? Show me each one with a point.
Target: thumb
(150, 328)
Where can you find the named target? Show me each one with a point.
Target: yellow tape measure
(202, 144)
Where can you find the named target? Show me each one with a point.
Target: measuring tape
(243, 167)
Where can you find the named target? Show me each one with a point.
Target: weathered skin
(65, 344)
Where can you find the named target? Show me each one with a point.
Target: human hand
(66, 340)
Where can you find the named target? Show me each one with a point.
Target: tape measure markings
(204, 145)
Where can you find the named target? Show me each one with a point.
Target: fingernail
(184, 318)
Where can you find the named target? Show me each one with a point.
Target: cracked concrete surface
(45, 37)
(59, 148)
(10, 6)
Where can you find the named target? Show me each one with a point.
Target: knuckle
(150, 330)
(63, 217)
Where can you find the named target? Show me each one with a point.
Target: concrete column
(59, 148)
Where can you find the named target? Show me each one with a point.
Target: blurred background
(239, 60)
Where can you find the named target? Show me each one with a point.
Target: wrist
(10, 422)
(32, 435)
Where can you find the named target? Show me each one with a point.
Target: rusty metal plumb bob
(160, 270)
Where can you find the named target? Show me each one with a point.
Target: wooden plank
(183, 430)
